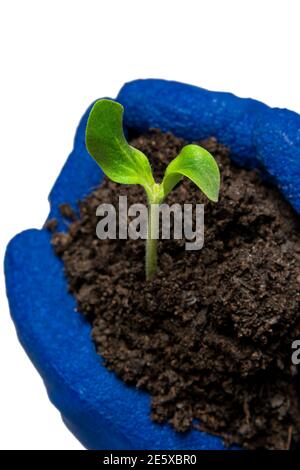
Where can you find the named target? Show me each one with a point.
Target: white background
(57, 56)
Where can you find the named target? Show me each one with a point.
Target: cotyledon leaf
(199, 166)
(106, 143)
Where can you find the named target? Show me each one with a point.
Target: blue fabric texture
(97, 407)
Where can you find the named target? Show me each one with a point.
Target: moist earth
(210, 337)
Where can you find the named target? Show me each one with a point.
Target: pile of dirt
(210, 337)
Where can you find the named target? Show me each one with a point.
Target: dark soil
(210, 337)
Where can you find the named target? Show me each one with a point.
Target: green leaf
(198, 165)
(106, 143)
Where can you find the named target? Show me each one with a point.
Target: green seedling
(124, 164)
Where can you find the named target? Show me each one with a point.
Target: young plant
(124, 164)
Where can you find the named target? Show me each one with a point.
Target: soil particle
(67, 212)
(51, 225)
(210, 337)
